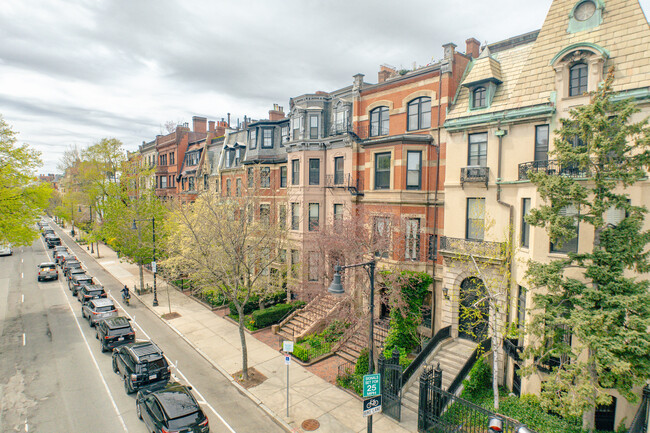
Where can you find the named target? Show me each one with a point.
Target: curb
(279, 421)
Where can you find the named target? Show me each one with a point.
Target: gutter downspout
(509, 262)
(435, 204)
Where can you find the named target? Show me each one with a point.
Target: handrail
(640, 422)
(483, 347)
(441, 335)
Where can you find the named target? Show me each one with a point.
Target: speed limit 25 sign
(371, 385)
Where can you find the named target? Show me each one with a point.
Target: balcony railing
(474, 174)
(552, 168)
(473, 247)
(345, 181)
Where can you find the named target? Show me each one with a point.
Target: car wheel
(90, 322)
(102, 346)
(127, 386)
(97, 338)
(39, 279)
(138, 410)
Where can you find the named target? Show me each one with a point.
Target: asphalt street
(54, 377)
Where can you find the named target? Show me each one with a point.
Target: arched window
(379, 121)
(577, 79)
(419, 114)
(479, 97)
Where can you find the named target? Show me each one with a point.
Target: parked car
(52, 241)
(172, 409)
(74, 271)
(59, 248)
(59, 255)
(71, 264)
(5, 250)
(47, 231)
(98, 309)
(47, 271)
(114, 332)
(142, 366)
(88, 292)
(77, 280)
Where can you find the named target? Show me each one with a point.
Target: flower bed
(316, 345)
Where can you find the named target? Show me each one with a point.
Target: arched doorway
(474, 310)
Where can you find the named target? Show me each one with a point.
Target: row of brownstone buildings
(443, 148)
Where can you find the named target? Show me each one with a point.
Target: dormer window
(479, 98)
(578, 79)
(419, 114)
(379, 121)
(253, 138)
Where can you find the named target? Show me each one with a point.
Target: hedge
(254, 302)
(271, 315)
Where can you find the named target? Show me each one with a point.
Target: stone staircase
(351, 347)
(303, 321)
(452, 355)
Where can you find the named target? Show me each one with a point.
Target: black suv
(142, 365)
(173, 408)
(114, 332)
(69, 264)
(77, 280)
(52, 241)
(88, 292)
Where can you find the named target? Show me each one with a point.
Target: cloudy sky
(74, 71)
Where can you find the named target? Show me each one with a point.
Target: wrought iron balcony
(473, 247)
(345, 181)
(474, 174)
(552, 168)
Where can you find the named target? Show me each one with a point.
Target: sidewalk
(217, 340)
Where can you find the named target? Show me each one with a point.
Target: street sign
(287, 346)
(287, 360)
(372, 405)
(371, 385)
(153, 267)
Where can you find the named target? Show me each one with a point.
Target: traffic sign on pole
(371, 385)
(372, 405)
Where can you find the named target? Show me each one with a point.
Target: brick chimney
(277, 113)
(221, 128)
(472, 47)
(211, 126)
(199, 124)
(385, 72)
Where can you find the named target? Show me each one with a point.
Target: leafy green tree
(592, 310)
(22, 198)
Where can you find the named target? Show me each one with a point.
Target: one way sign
(372, 405)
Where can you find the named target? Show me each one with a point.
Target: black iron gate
(391, 385)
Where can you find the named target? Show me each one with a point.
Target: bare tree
(226, 244)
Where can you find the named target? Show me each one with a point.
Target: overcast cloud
(74, 71)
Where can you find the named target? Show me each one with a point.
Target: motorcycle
(125, 298)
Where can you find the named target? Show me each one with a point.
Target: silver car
(5, 250)
(98, 309)
(47, 271)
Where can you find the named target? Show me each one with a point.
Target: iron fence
(442, 412)
(552, 168)
(441, 335)
(640, 421)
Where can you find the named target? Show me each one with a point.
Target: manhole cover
(310, 425)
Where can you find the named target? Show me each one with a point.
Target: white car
(5, 250)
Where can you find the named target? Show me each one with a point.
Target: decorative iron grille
(552, 168)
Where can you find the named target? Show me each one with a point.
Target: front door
(474, 311)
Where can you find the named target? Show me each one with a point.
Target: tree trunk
(97, 249)
(140, 269)
(242, 337)
(589, 416)
(495, 363)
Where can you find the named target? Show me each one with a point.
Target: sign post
(287, 347)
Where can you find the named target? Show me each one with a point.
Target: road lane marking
(24, 339)
(22, 275)
(110, 293)
(90, 352)
(23, 299)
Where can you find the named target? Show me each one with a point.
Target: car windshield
(186, 421)
(47, 268)
(154, 365)
(105, 309)
(84, 281)
(95, 292)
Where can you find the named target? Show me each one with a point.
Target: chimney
(199, 124)
(221, 128)
(385, 72)
(449, 50)
(357, 83)
(211, 126)
(277, 113)
(472, 47)
(228, 120)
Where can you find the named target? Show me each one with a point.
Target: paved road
(54, 378)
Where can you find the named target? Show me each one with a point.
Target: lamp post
(90, 212)
(72, 218)
(154, 267)
(336, 288)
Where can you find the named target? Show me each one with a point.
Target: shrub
(480, 379)
(254, 302)
(271, 315)
(361, 367)
(300, 353)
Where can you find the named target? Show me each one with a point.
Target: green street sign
(371, 385)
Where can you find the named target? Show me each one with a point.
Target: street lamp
(153, 267)
(92, 250)
(72, 218)
(336, 288)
